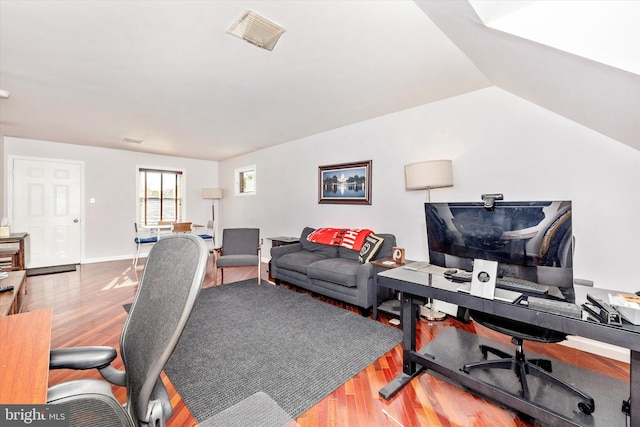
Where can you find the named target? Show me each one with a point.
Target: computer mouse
(638, 293)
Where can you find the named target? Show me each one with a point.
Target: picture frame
(345, 183)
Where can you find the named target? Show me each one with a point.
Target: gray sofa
(332, 271)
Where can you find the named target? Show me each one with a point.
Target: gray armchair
(240, 248)
(166, 294)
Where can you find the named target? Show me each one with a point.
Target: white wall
(110, 178)
(3, 197)
(498, 143)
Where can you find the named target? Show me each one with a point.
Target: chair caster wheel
(586, 408)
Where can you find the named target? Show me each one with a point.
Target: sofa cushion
(386, 250)
(327, 250)
(299, 261)
(370, 248)
(335, 270)
(347, 253)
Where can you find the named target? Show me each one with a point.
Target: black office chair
(518, 363)
(240, 248)
(167, 291)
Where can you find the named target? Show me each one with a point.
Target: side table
(387, 306)
(280, 241)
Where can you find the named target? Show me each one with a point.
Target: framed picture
(346, 183)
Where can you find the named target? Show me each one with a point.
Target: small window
(245, 181)
(160, 196)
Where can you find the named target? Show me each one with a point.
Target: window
(160, 196)
(245, 181)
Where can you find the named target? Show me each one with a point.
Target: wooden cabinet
(15, 248)
(13, 302)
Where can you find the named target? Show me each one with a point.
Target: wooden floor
(87, 310)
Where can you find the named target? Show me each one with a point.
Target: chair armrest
(90, 357)
(81, 358)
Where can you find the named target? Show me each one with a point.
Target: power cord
(626, 409)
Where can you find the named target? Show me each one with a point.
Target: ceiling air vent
(256, 30)
(133, 141)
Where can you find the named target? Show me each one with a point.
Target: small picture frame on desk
(398, 255)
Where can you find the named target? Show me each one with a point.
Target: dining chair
(140, 241)
(181, 227)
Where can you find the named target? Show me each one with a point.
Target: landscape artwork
(346, 183)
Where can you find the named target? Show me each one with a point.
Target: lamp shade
(212, 193)
(428, 174)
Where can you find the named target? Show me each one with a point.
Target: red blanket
(350, 238)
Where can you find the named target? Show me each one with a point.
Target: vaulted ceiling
(164, 72)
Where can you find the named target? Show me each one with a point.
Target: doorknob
(76, 220)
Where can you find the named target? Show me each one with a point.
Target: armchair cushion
(236, 260)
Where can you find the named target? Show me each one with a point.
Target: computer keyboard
(555, 307)
(521, 285)
(508, 283)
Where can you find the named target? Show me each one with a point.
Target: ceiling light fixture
(4, 94)
(256, 30)
(133, 141)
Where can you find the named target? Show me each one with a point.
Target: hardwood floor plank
(87, 310)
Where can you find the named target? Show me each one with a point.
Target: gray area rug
(243, 338)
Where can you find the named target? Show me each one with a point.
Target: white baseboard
(107, 259)
(598, 348)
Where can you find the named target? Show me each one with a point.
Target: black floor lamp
(425, 176)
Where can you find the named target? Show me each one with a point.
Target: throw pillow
(370, 248)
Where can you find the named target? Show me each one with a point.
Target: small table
(385, 306)
(280, 241)
(13, 301)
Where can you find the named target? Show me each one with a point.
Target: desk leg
(410, 368)
(375, 292)
(634, 386)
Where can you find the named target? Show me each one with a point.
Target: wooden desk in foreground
(25, 342)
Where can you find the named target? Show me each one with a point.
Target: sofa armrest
(278, 251)
(364, 273)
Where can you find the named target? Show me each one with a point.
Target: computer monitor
(529, 240)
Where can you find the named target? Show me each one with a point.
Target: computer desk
(417, 286)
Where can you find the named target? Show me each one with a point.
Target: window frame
(238, 175)
(142, 193)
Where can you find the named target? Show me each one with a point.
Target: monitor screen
(529, 240)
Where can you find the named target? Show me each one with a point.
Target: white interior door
(47, 201)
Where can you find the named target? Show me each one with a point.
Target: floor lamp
(425, 176)
(213, 194)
